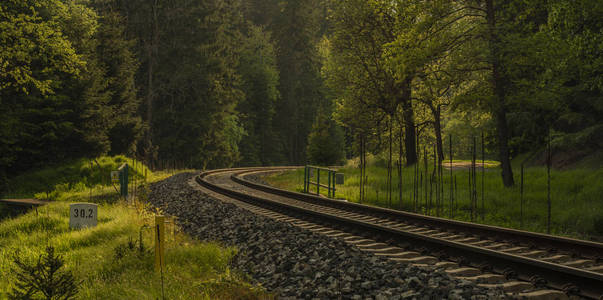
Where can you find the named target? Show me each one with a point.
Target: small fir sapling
(43, 279)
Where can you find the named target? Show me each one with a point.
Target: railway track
(524, 264)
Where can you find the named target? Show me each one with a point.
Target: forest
(219, 83)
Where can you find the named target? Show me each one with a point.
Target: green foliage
(116, 57)
(325, 142)
(189, 54)
(296, 28)
(241, 82)
(32, 35)
(260, 79)
(66, 88)
(43, 277)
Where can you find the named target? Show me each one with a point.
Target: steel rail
(587, 249)
(588, 284)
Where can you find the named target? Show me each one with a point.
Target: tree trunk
(499, 93)
(400, 169)
(409, 124)
(437, 116)
(152, 53)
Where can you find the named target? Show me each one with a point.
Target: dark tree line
(206, 83)
(218, 83)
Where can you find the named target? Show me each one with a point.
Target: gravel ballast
(295, 263)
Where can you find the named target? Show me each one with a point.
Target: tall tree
(260, 79)
(296, 31)
(189, 53)
(361, 31)
(52, 86)
(116, 56)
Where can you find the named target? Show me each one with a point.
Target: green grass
(76, 175)
(193, 270)
(106, 258)
(577, 209)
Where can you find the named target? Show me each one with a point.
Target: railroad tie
(463, 272)
(446, 265)
(580, 263)
(429, 260)
(544, 295)
(403, 254)
(510, 287)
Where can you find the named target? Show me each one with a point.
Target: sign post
(123, 180)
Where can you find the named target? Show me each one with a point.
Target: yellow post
(159, 243)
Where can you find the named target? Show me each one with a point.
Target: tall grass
(577, 209)
(193, 269)
(107, 258)
(76, 175)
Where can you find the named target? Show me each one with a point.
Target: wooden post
(305, 178)
(451, 191)
(521, 199)
(329, 184)
(548, 184)
(426, 175)
(470, 193)
(483, 177)
(317, 181)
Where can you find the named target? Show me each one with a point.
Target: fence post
(329, 184)
(305, 178)
(317, 181)
(123, 180)
(451, 191)
(483, 178)
(548, 183)
(521, 199)
(334, 183)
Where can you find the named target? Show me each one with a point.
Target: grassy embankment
(107, 259)
(577, 209)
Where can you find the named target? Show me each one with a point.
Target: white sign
(114, 176)
(83, 215)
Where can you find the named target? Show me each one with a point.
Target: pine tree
(44, 279)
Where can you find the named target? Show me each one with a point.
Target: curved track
(523, 263)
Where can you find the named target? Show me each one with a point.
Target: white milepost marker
(83, 215)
